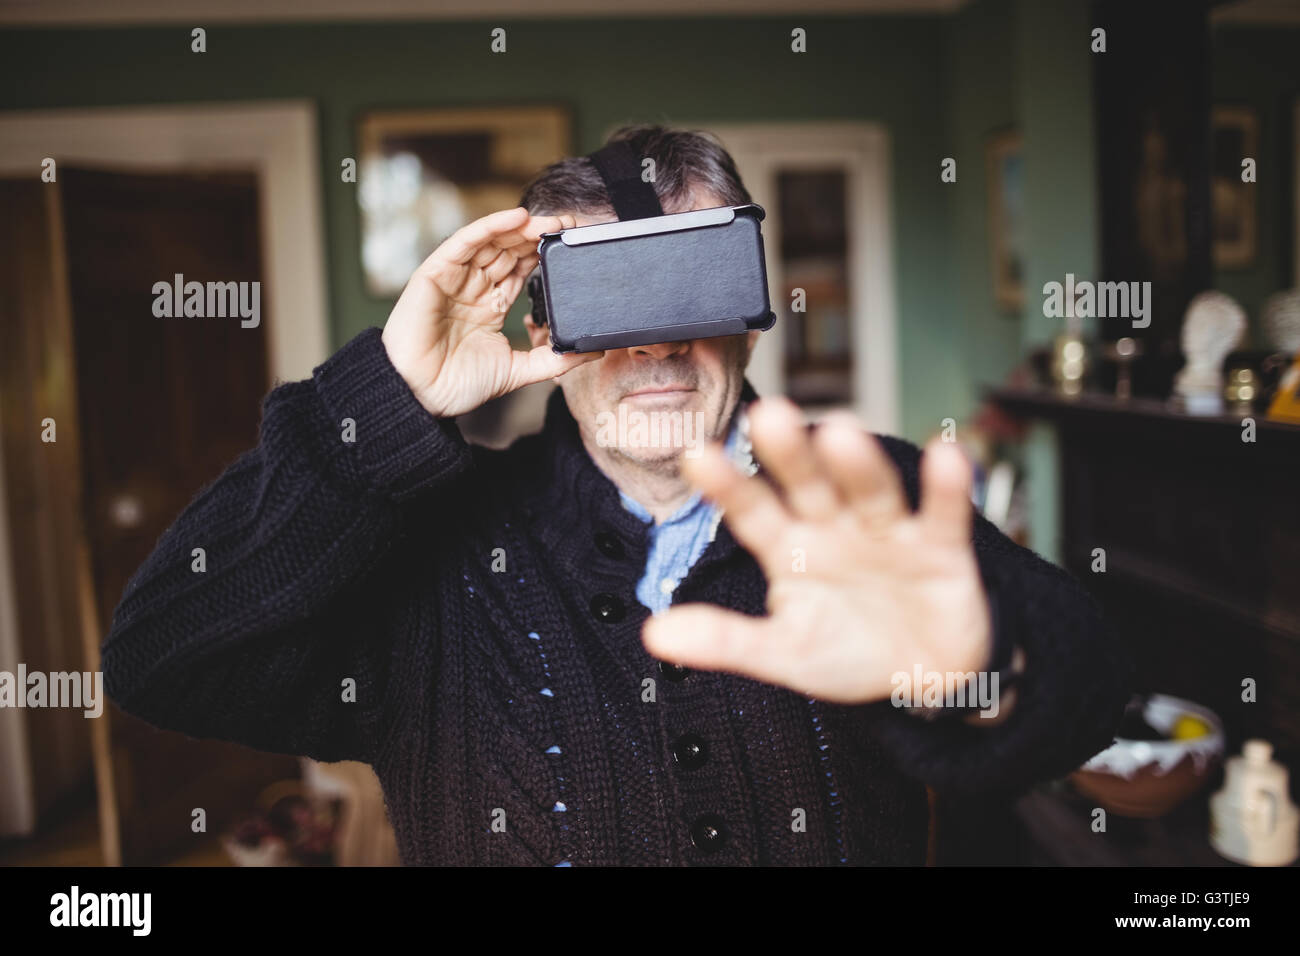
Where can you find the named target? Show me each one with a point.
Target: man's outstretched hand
(860, 588)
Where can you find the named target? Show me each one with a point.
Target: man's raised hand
(860, 588)
(444, 334)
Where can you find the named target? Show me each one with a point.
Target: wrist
(394, 352)
(378, 424)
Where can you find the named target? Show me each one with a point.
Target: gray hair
(686, 162)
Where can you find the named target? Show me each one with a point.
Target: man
(478, 625)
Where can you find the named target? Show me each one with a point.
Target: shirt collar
(736, 447)
(576, 498)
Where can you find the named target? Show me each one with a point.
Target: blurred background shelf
(1059, 824)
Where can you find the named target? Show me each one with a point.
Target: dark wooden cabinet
(1201, 536)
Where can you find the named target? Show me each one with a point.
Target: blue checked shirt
(677, 542)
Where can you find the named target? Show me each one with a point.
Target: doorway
(828, 232)
(146, 408)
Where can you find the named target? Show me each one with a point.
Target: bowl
(1148, 778)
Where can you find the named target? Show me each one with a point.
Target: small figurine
(1212, 327)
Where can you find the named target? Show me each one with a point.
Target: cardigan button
(608, 543)
(607, 608)
(673, 672)
(708, 833)
(689, 751)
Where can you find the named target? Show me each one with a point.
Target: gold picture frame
(424, 173)
(1234, 222)
(1005, 181)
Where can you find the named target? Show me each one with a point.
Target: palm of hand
(859, 587)
(444, 334)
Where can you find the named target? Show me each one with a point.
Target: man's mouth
(665, 395)
(663, 390)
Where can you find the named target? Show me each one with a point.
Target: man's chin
(650, 457)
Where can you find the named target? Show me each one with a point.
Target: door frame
(277, 138)
(1295, 193)
(279, 141)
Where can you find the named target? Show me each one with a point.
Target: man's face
(699, 378)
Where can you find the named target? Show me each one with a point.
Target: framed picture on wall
(424, 173)
(1236, 138)
(1005, 171)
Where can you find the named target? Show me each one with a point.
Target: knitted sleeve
(259, 616)
(1069, 700)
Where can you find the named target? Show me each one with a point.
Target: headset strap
(620, 168)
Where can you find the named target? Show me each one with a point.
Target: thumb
(540, 363)
(708, 638)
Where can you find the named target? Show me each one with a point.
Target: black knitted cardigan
(465, 621)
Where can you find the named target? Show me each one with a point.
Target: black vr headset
(649, 277)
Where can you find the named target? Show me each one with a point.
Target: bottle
(1252, 819)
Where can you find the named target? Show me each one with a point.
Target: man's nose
(659, 350)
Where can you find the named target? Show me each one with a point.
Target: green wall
(940, 85)
(1056, 112)
(888, 69)
(981, 102)
(1021, 64)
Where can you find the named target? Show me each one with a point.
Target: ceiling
(56, 13)
(200, 12)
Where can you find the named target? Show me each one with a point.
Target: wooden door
(163, 405)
